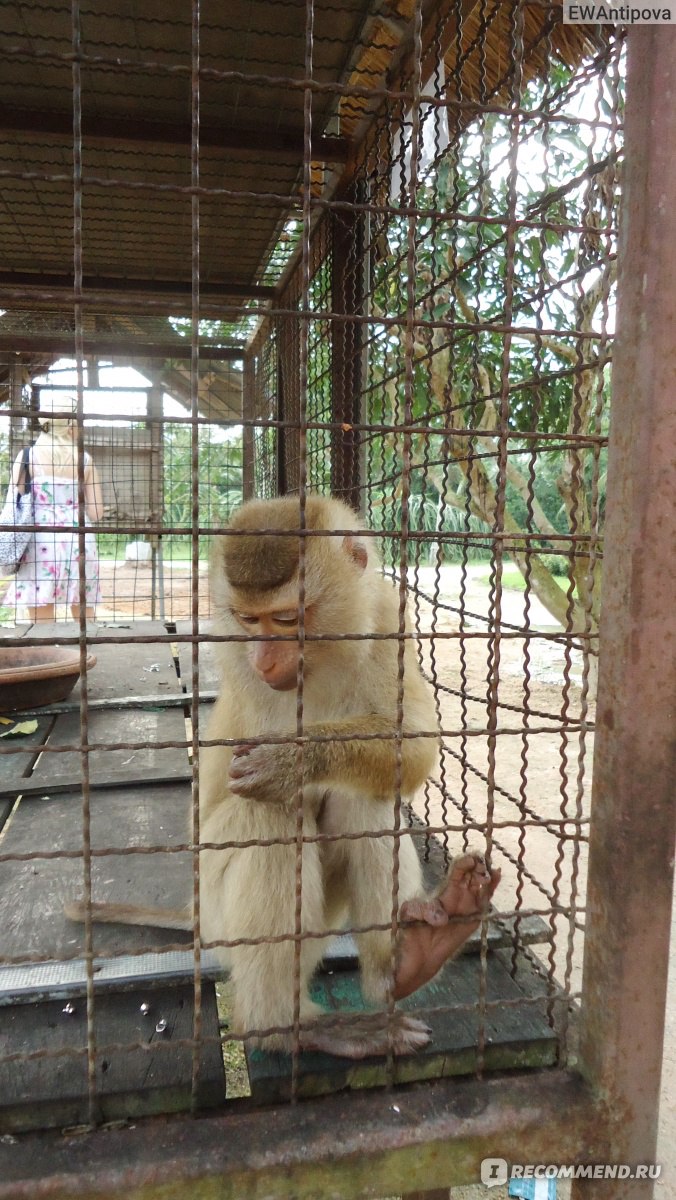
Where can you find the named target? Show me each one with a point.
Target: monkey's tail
(131, 914)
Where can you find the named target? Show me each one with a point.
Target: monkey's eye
(287, 620)
(246, 618)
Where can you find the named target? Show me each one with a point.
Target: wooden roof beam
(286, 142)
(127, 285)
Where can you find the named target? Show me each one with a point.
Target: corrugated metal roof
(130, 65)
(135, 63)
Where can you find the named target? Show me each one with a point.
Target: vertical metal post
(18, 436)
(156, 494)
(288, 405)
(633, 827)
(248, 414)
(347, 248)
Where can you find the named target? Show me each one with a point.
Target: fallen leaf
(21, 729)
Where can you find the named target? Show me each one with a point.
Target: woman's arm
(93, 493)
(18, 471)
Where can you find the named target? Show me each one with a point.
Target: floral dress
(49, 570)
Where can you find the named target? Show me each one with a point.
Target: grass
(513, 580)
(170, 554)
(234, 1061)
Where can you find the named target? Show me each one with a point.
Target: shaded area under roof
(156, 218)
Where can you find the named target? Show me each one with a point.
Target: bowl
(32, 676)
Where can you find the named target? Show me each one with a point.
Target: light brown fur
(353, 765)
(349, 690)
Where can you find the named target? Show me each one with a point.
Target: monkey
(366, 738)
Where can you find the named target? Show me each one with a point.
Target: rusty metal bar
(633, 827)
(115, 347)
(248, 437)
(362, 1143)
(288, 400)
(77, 202)
(347, 340)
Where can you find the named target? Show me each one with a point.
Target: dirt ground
(530, 773)
(127, 590)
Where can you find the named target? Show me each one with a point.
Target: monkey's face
(276, 663)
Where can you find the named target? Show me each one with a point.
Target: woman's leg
(42, 612)
(75, 610)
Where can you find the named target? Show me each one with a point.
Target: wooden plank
(129, 780)
(33, 892)
(518, 1034)
(342, 954)
(136, 725)
(123, 667)
(209, 675)
(152, 1076)
(15, 763)
(138, 668)
(15, 631)
(181, 700)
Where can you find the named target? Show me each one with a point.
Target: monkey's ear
(356, 550)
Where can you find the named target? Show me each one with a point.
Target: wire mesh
(341, 254)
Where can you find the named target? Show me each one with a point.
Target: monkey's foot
(433, 930)
(359, 1035)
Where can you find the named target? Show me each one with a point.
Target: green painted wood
(517, 1034)
(149, 1074)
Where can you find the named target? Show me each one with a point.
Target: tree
(219, 476)
(508, 391)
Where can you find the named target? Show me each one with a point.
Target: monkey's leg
(367, 867)
(434, 929)
(248, 895)
(375, 948)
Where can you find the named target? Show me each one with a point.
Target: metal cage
(371, 250)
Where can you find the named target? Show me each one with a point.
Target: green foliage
(446, 525)
(218, 475)
(476, 278)
(4, 462)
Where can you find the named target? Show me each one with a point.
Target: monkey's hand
(266, 773)
(434, 929)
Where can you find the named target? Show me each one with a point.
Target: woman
(50, 571)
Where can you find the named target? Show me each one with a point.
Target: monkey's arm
(359, 752)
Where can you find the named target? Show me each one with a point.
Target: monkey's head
(255, 578)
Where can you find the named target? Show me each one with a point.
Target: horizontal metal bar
(133, 346)
(351, 1145)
